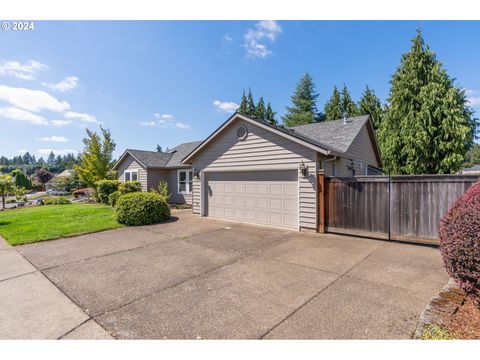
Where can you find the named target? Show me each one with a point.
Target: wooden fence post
(321, 201)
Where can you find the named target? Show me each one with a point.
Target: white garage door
(269, 197)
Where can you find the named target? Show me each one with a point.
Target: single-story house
(248, 170)
(53, 184)
(150, 167)
(474, 170)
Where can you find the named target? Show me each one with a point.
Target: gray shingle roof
(172, 159)
(334, 134)
(151, 158)
(180, 151)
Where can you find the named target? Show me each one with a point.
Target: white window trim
(130, 172)
(187, 182)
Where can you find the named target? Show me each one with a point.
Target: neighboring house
(150, 167)
(250, 171)
(474, 170)
(52, 184)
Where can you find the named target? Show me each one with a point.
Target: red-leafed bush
(460, 241)
(85, 192)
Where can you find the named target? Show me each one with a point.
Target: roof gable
(285, 132)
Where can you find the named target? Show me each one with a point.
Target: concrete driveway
(202, 278)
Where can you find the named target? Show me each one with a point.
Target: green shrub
(141, 208)
(113, 197)
(128, 187)
(61, 200)
(162, 190)
(104, 188)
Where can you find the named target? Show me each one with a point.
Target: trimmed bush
(459, 234)
(128, 187)
(113, 197)
(61, 200)
(105, 188)
(141, 208)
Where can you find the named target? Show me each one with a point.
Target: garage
(267, 197)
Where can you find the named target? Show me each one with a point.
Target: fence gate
(405, 208)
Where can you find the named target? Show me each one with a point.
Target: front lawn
(29, 225)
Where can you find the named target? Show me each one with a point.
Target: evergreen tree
(472, 157)
(369, 104)
(250, 104)
(333, 107)
(304, 109)
(428, 126)
(270, 115)
(243, 105)
(260, 109)
(349, 107)
(96, 158)
(51, 159)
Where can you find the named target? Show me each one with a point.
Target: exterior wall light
(303, 169)
(195, 173)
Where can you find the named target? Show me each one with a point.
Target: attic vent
(242, 132)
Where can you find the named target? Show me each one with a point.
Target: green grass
(436, 332)
(39, 223)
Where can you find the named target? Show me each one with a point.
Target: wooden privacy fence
(405, 208)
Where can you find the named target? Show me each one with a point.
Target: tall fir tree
(333, 107)
(270, 115)
(250, 104)
(428, 126)
(51, 159)
(304, 108)
(348, 105)
(242, 109)
(369, 104)
(260, 109)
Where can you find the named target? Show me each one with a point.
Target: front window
(185, 181)
(131, 176)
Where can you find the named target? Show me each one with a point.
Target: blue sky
(169, 82)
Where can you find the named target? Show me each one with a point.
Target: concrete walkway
(32, 307)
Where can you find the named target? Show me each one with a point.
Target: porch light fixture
(303, 169)
(195, 173)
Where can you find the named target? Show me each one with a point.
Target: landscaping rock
(441, 308)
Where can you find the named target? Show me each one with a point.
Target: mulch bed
(465, 322)
(453, 311)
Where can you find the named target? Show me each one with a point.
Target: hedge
(459, 234)
(141, 208)
(104, 188)
(128, 187)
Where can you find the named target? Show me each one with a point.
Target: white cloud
(66, 84)
(53, 138)
(22, 151)
(255, 38)
(225, 106)
(14, 113)
(163, 116)
(164, 121)
(148, 123)
(227, 38)
(32, 100)
(181, 125)
(60, 123)
(473, 97)
(46, 152)
(22, 71)
(81, 116)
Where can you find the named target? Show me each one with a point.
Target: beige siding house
(250, 171)
(151, 167)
